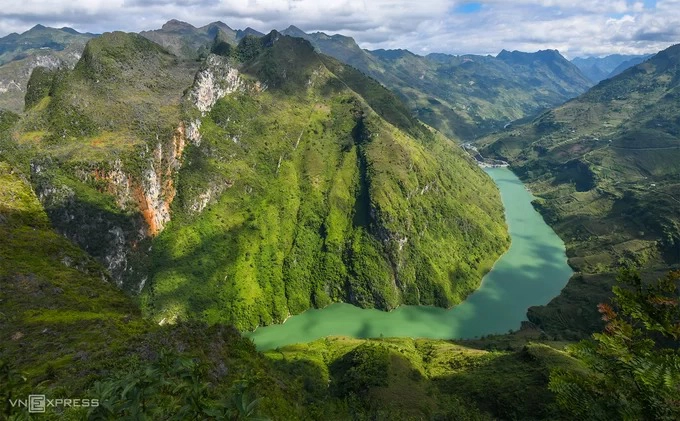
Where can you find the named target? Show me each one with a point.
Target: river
(533, 271)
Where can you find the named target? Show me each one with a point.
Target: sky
(575, 28)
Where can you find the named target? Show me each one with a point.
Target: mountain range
(605, 168)
(162, 191)
(462, 96)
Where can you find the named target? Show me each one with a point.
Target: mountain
(462, 96)
(600, 68)
(604, 167)
(185, 40)
(39, 46)
(628, 63)
(64, 325)
(253, 185)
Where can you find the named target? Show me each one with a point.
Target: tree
(631, 370)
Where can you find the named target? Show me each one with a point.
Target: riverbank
(531, 272)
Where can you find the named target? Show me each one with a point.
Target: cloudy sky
(576, 28)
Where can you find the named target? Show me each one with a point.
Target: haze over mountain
(600, 68)
(185, 40)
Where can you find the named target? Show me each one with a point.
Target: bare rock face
(215, 80)
(118, 240)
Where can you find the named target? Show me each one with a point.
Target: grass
(415, 379)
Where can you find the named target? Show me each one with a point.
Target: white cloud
(594, 27)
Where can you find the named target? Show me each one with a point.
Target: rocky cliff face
(217, 78)
(142, 206)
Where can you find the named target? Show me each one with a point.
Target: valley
(213, 223)
(604, 167)
(533, 271)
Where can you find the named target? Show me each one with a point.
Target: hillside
(68, 332)
(605, 168)
(462, 96)
(39, 46)
(271, 180)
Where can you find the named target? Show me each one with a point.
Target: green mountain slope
(39, 46)
(69, 333)
(300, 193)
(276, 181)
(605, 168)
(101, 144)
(462, 96)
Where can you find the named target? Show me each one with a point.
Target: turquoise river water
(533, 271)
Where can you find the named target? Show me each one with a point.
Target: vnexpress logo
(36, 403)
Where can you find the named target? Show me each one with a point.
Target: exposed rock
(215, 80)
(116, 259)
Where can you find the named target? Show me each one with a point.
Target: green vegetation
(301, 194)
(310, 183)
(90, 138)
(633, 367)
(604, 167)
(99, 348)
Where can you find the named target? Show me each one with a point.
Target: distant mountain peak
(521, 57)
(219, 24)
(177, 25)
(38, 27)
(248, 31)
(294, 31)
(69, 30)
(392, 54)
